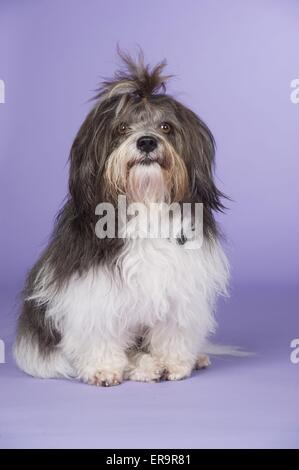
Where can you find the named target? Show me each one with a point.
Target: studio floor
(236, 403)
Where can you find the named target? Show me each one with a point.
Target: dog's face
(146, 162)
(142, 143)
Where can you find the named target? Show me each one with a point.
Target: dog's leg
(175, 349)
(98, 360)
(37, 349)
(144, 367)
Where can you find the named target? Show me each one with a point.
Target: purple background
(234, 62)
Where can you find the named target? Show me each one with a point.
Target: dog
(105, 309)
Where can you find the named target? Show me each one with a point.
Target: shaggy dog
(107, 308)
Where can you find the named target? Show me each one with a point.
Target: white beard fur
(167, 291)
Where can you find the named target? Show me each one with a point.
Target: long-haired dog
(104, 309)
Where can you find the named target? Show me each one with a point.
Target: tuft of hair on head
(135, 78)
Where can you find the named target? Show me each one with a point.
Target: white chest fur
(157, 280)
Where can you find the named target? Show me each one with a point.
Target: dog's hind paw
(202, 362)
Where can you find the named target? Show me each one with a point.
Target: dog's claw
(103, 379)
(164, 375)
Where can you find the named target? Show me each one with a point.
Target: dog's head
(141, 142)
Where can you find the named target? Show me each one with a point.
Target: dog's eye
(165, 127)
(122, 128)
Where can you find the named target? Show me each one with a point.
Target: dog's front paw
(145, 369)
(105, 378)
(177, 371)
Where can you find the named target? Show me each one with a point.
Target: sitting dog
(108, 308)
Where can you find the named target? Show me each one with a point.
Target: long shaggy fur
(107, 309)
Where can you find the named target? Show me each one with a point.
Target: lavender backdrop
(234, 62)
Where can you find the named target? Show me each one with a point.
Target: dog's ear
(87, 160)
(199, 145)
(81, 178)
(198, 148)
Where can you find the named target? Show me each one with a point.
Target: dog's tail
(212, 349)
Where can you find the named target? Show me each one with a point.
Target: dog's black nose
(146, 143)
